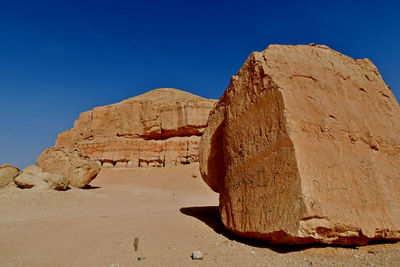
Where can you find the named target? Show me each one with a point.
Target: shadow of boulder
(210, 216)
(89, 187)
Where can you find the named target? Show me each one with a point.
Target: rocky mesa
(303, 147)
(160, 127)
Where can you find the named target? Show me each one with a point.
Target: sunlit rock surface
(304, 147)
(160, 127)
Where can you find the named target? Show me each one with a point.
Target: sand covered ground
(172, 212)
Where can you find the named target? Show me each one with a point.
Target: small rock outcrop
(31, 177)
(29, 180)
(55, 181)
(77, 167)
(197, 255)
(7, 174)
(304, 147)
(160, 127)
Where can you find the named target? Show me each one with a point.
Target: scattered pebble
(252, 252)
(197, 255)
(141, 258)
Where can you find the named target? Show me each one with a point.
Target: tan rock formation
(7, 174)
(304, 146)
(160, 127)
(29, 180)
(54, 181)
(41, 180)
(32, 169)
(79, 169)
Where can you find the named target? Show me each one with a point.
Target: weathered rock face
(29, 180)
(32, 169)
(160, 127)
(54, 181)
(79, 169)
(7, 174)
(303, 147)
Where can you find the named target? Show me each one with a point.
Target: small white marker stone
(197, 255)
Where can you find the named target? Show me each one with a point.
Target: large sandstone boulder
(79, 169)
(160, 127)
(303, 147)
(7, 174)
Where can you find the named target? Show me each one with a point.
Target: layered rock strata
(160, 127)
(303, 147)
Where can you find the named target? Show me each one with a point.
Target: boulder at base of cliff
(79, 169)
(29, 180)
(7, 174)
(54, 181)
(304, 147)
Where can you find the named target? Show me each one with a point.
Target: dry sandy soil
(170, 210)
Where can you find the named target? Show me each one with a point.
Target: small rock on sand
(197, 255)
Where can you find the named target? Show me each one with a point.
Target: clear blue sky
(60, 58)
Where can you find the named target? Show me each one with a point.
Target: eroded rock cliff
(303, 147)
(160, 127)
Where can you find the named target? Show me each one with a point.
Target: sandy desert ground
(172, 212)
